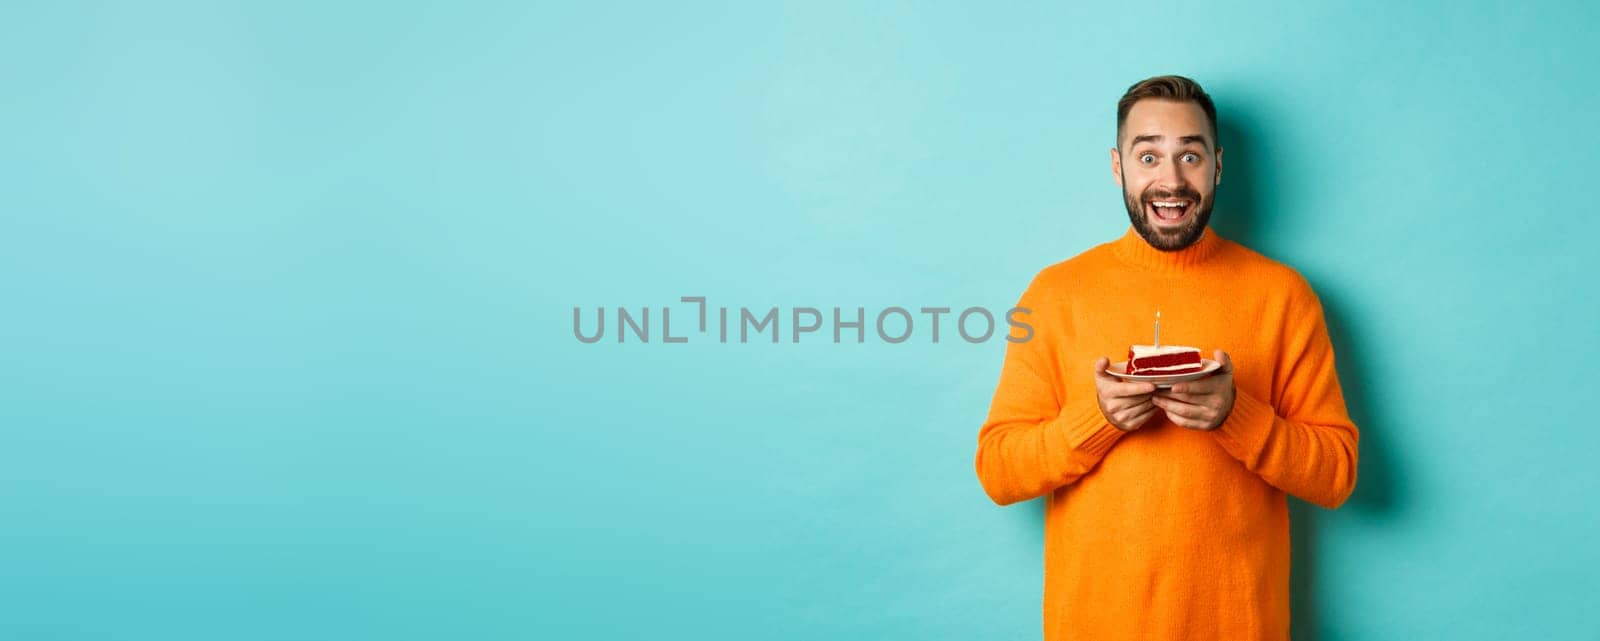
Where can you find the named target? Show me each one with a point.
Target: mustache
(1183, 194)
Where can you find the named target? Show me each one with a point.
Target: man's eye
(1190, 157)
(1147, 158)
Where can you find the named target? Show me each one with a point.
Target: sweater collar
(1131, 248)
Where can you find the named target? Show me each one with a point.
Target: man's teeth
(1170, 210)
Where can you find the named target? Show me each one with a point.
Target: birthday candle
(1158, 328)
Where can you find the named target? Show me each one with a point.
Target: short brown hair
(1176, 88)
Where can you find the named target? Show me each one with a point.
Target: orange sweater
(1166, 532)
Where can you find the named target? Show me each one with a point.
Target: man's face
(1164, 157)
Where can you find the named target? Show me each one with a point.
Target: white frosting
(1146, 351)
(1172, 368)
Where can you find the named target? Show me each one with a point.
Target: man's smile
(1168, 212)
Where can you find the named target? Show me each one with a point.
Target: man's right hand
(1125, 405)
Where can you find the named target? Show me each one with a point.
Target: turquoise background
(288, 289)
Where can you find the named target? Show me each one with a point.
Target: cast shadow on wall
(1238, 216)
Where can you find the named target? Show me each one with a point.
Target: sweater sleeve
(1307, 444)
(1034, 440)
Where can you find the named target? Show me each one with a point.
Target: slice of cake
(1157, 360)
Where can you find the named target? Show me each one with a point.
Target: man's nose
(1171, 177)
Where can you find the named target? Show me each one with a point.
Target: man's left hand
(1200, 404)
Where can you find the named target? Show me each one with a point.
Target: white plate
(1119, 369)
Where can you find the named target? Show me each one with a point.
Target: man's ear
(1116, 166)
(1219, 167)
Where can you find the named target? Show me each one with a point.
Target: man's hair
(1176, 88)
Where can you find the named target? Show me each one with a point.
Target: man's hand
(1125, 405)
(1200, 404)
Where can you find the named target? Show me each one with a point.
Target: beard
(1169, 239)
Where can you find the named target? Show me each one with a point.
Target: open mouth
(1169, 211)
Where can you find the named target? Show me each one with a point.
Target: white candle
(1158, 328)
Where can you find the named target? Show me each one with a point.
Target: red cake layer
(1135, 366)
(1167, 372)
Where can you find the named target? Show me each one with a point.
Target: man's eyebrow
(1194, 138)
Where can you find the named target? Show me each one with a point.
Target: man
(1166, 515)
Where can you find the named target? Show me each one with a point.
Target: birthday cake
(1162, 360)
